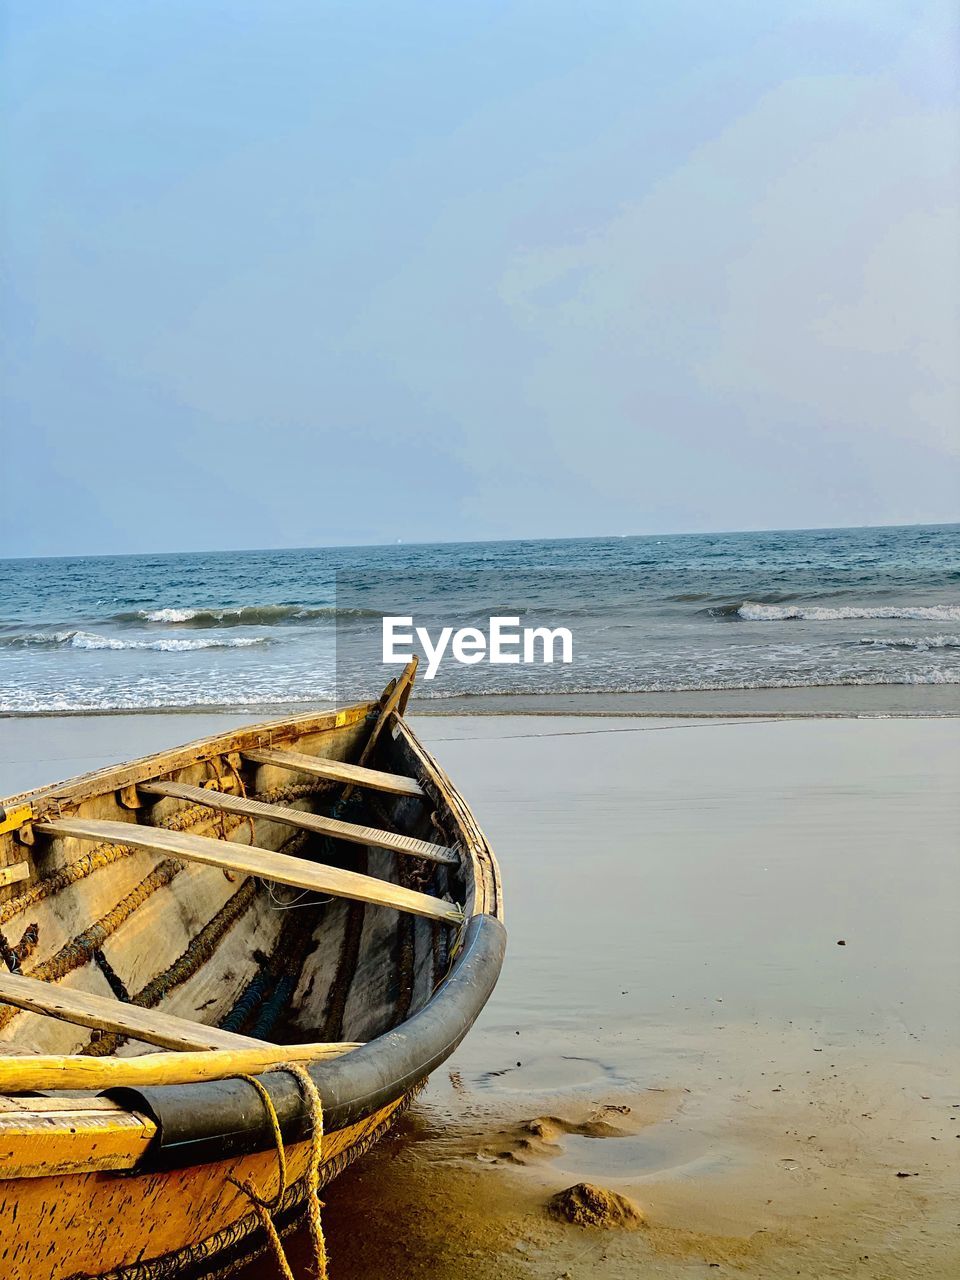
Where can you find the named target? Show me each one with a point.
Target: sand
(676, 1023)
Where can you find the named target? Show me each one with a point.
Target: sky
(302, 274)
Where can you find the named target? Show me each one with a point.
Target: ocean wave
(263, 615)
(91, 640)
(919, 644)
(751, 611)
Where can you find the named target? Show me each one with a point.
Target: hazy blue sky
(298, 273)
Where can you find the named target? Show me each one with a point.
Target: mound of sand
(586, 1205)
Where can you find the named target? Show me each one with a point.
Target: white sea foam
(266, 615)
(168, 644)
(921, 644)
(36, 639)
(929, 676)
(141, 693)
(92, 640)
(751, 612)
(168, 615)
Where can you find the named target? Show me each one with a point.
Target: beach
(730, 995)
(480, 679)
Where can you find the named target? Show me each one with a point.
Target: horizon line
(467, 542)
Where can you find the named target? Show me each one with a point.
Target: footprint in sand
(542, 1138)
(639, 1150)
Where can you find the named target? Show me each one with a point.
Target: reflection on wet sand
(676, 1021)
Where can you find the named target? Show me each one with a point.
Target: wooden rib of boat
(311, 891)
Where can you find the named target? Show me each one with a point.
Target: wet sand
(821, 700)
(676, 1020)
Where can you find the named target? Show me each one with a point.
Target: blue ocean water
(263, 628)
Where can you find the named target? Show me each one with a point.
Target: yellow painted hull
(185, 1222)
(108, 1181)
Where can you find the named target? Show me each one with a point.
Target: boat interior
(298, 882)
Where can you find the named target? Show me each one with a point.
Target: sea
(284, 629)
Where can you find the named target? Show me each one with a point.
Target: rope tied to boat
(266, 1208)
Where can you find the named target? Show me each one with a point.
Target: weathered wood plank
(56, 1105)
(254, 861)
(46, 1145)
(332, 724)
(321, 825)
(55, 1071)
(103, 1014)
(392, 703)
(336, 770)
(14, 873)
(393, 699)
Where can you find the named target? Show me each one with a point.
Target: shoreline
(821, 701)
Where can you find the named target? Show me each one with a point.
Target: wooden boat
(205, 944)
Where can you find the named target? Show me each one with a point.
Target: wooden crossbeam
(315, 822)
(53, 1071)
(254, 861)
(336, 771)
(105, 1014)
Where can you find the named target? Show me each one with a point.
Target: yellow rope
(315, 1104)
(265, 1208)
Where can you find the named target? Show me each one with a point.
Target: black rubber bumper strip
(219, 1119)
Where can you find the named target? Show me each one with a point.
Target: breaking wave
(920, 644)
(90, 640)
(262, 615)
(752, 612)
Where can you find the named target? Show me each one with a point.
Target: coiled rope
(266, 1208)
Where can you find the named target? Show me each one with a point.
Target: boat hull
(182, 1222)
(139, 1183)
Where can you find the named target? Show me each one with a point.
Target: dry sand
(676, 1021)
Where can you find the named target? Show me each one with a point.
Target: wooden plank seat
(254, 861)
(336, 771)
(106, 1014)
(352, 831)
